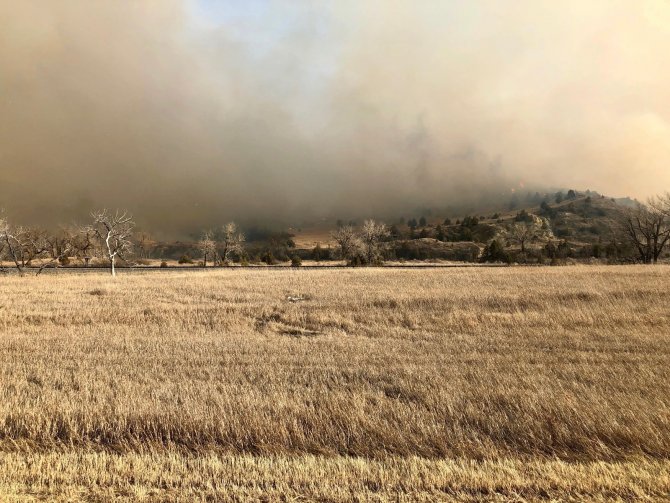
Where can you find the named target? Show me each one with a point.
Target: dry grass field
(505, 384)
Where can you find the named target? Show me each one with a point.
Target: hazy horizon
(193, 112)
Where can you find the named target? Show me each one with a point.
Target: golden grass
(170, 476)
(381, 384)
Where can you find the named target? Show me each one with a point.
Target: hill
(584, 224)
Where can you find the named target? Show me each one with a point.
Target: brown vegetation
(373, 384)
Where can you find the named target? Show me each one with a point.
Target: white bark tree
(372, 235)
(233, 242)
(24, 245)
(13, 242)
(114, 231)
(346, 240)
(207, 246)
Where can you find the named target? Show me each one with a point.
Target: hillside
(584, 223)
(579, 226)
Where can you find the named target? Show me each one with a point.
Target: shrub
(495, 252)
(280, 255)
(550, 250)
(523, 216)
(317, 253)
(596, 250)
(268, 258)
(296, 261)
(164, 264)
(470, 222)
(185, 259)
(563, 232)
(547, 211)
(357, 260)
(439, 233)
(563, 250)
(466, 234)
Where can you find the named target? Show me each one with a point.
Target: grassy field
(468, 384)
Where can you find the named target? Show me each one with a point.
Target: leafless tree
(54, 249)
(523, 233)
(13, 243)
(346, 240)
(33, 245)
(83, 243)
(3, 270)
(233, 242)
(647, 228)
(24, 245)
(114, 231)
(144, 244)
(207, 246)
(661, 204)
(372, 235)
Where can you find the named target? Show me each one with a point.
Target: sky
(193, 112)
(227, 12)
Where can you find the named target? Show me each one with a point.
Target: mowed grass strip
(172, 476)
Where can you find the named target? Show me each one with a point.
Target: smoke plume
(191, 113)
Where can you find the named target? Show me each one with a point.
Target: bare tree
(114, 231)
(647, 228)
(233, 242)
(144, 243)
(83, 243)
(13, 243)
(372, 234)
(24, 245)
(207, 246)
(523, 233)
(661, 204)
(54, 249)
(346, 239)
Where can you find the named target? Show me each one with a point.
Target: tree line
(109, 236)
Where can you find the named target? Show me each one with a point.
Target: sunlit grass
(337, 384)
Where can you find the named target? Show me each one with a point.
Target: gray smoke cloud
(299, 111)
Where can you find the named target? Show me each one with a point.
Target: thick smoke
(294, 112)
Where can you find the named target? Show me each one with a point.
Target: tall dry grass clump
(467, 383)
